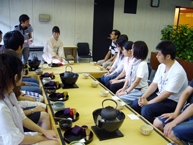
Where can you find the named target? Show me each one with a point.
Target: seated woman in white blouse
(53, 50)
(136, 74)
(12, 118)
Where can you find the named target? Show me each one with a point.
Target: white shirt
(118, 64)
(142, 72)
(175, 80)
(126, 63)
(9, 133)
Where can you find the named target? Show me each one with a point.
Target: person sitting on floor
(53, 50)
(35, 111)
(118, 82)
(117, 66)
(14, 40)
(12, 118)
(170, 80)
(112, 53)
(114, 63)
(137, 74)
(178, 125)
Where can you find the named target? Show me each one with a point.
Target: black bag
(35, 62)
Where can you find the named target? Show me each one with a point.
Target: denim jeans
(129, 98)
(184, 131)
(25, 54)
(106, 79)
(33, 80)
(151, 111)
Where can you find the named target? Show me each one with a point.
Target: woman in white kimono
(53, 49)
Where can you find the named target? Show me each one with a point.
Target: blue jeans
(25, 54)
(106, 79)
(33, 80)
(151, 111)
(32, 84)
(183, 131)
(129, 98)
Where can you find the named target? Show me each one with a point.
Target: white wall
(146, 25)
(75, 19)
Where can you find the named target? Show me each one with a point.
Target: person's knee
(113, 88)
(134, 105)
(172, 136)
(44, 117)
(157, 123)
(55, 142)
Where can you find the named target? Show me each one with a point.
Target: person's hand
(120, 92)
(30, 41)
(107, 74)
(25, 84)
(168, 128)
(50, 134)
(108, 67)
(39, 109)
(114, 81)
(26, 41)
(60, 59)
(142, 101)
(169, 116)
(32, 99)
(101, 63)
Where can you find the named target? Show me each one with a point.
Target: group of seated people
(162, 101)
(24, 119)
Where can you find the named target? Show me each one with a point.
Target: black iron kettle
(109, 113)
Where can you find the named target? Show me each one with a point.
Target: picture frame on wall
(155, 3)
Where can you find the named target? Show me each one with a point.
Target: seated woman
(137, 74)
(35, 111)
(178, 124)
(53, 49)
(12, 118)
(114, 63)
(118, 82)
(117, 66)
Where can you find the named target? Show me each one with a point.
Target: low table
(87, 99)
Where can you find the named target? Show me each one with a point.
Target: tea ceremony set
(83, 111)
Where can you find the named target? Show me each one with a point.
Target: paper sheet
(133, 116)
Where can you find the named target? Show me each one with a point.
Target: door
(103, 25)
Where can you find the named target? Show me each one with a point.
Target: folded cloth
(46, 74)
(59, 95)
(76, 130)
(52, 84)
(66, 111)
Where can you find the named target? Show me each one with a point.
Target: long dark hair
(10, 66)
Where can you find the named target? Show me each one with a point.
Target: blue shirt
(25, 32)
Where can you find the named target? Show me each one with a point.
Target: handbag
(35, 62)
